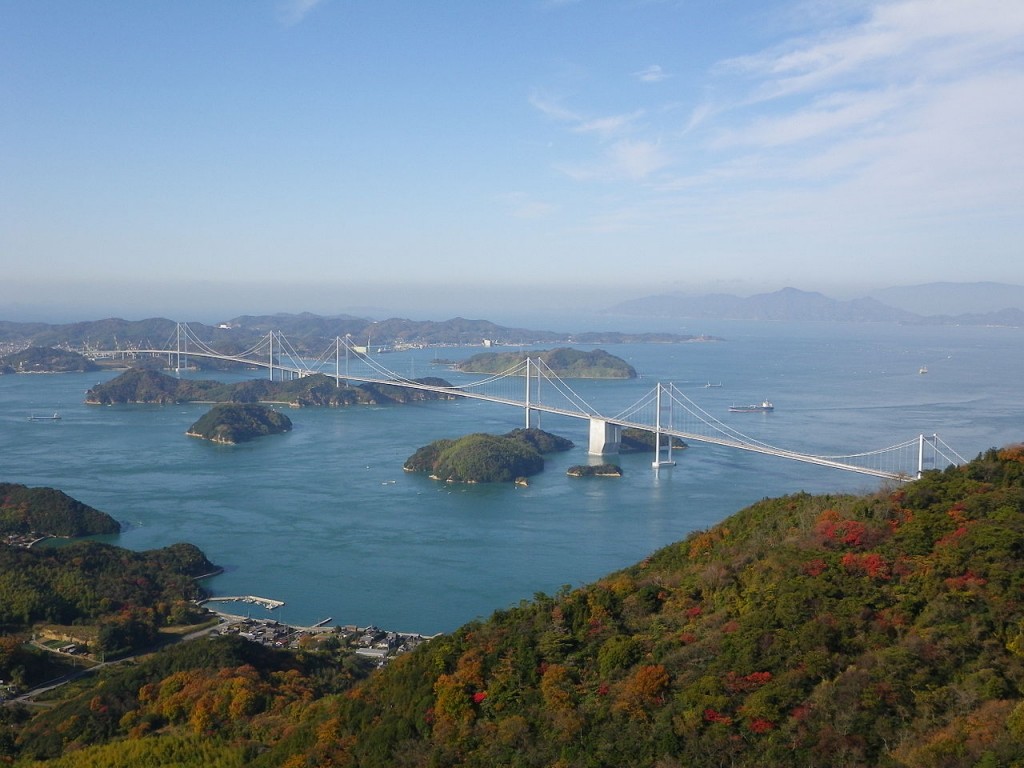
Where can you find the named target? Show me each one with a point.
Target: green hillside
(879, 630)
(49, 512)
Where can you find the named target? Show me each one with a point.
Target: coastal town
(371, 643)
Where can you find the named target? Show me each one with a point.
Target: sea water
(325, 519)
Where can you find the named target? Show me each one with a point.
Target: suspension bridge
(532, 386)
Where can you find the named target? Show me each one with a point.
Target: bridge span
(664, 411)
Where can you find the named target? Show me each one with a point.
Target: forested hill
(803, 631)
(880, 630)
(49, 512)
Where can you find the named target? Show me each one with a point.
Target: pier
(264, 602)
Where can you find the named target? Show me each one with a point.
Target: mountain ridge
(792, 304)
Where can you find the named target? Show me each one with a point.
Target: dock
(264, 602)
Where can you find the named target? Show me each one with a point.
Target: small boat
(54, 417)
(709, 385)
(923, 370)
(764, 407)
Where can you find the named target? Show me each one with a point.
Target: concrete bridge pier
(605, 437)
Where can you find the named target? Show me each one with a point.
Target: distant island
(45, 360)
(142, 385)
(231, 423)
(565, 362)
(28, 513)
(307, 332)
(483, 458)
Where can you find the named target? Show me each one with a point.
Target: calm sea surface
(325, 519)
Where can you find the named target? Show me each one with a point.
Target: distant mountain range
(795, 305)
(309, 333)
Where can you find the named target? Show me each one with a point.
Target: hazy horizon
(588, 309)
(268, 156)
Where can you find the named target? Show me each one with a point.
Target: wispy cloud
(828, 115)
(610, 126)
(552, 108)
(906, 116)
(294, 11)
(912, 79)
(604, 127)
(633, 160)
(651, 74)
(896, 40)
(637, 159)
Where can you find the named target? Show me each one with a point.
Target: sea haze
(325, 519)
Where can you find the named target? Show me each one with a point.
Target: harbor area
(371, 643)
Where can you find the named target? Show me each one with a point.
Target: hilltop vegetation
(879, 630)
(564, 362)
(49, 512)
(142, 385)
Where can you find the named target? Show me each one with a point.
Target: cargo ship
(764, 407)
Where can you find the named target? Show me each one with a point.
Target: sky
(199, 160)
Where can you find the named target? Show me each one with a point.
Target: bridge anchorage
(665, 410)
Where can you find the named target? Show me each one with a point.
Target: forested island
(483, 458)
(883, 629)
(231, 423)
(564, 362)
(142, 385)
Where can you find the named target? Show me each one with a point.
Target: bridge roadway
(539, 408)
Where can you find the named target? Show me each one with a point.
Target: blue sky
(450, 157)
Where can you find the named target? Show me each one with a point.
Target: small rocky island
(594, 470)
(231, 423)
(483, 458)
(565, 362)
